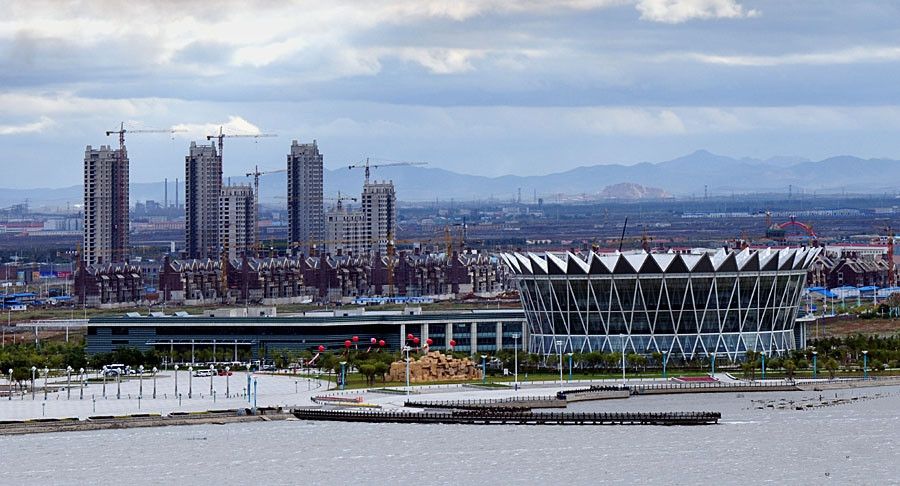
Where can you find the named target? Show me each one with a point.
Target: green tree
(368, 370)
(831, 365)
(636, 361)
(789, 368)
(381, 369)
(748, 369)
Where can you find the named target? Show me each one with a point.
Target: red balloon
(409, 336)
(321, 348)
(347, 343)
(372, 340)
(452, 342)
(416, 340)
(429, 341)
(381, 343)
(355, 338)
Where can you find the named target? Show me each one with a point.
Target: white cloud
(438, 60)
(678, 11)
(630, 121)
(37, 126)
(234, 126)
(852, 55)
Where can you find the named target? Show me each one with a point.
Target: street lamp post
(176, 380)
(154, 382)
(343, 376)
(665, 359)
(46, 374)
(865, 364)
(559, 344)
(119, 384)
(81, 383)
(212, 373)
(68, 381)
(227, 382)
(484, 368)
(815, 364)
(140, 382)
(103, 370)
(33, 370)
(516, 361)
(713, 363)
(190, 381)
(406, 349)
(255, 392)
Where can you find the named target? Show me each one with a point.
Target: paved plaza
(82, 402)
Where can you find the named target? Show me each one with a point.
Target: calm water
(856, 443)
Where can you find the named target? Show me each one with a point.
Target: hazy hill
(684, 176)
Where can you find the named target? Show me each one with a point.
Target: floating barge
(499, 417)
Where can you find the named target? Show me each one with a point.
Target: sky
(486, 87)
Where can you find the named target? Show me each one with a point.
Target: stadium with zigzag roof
(688, 304)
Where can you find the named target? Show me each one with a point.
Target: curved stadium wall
(686, 304)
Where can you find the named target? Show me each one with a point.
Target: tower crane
(120, 234)
(339, 199)
(222, 136)
(367, 166)
(121, 131)
(256, 173)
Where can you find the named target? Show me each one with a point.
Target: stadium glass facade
(689, 305)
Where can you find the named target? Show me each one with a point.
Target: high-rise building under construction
(306, 219)
(238, 219)
(106, 221)
(202, 188)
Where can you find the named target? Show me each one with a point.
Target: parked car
(204, 372)
(224, 373)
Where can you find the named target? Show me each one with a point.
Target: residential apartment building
(105, 205)
(237, 219)
(346, 231)
(379, 205)
(203, 188)
(306, 216)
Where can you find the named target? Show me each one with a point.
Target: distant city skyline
(476, 87)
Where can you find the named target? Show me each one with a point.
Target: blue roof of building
(826, 293)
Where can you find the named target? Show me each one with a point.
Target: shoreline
(139, 421)
(162, 417)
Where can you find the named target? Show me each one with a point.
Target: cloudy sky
(484, 87)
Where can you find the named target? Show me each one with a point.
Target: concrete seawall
(135, 421)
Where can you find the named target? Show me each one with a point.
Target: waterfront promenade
(293, 391)
(272, 390)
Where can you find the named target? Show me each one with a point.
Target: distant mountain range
(685, 176)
